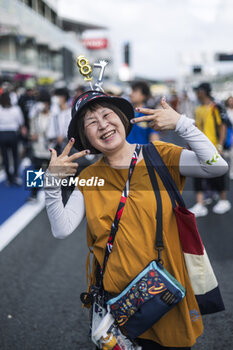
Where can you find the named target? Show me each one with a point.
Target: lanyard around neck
(120, 209)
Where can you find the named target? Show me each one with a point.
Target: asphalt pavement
(41, 280)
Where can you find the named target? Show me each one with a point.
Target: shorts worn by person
(101, 123)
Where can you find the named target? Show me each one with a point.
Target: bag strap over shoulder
(159, 214)
(164, 174)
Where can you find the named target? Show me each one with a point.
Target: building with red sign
(36, 42)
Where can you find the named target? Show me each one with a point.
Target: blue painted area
(12, 198)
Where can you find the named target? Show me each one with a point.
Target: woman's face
(104, 129)
(137, 97)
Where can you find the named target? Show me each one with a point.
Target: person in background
(58, 126)
(174, 100)
(11, 89)
(141, 132)
(229, 138)
(78, 91)
(187, 106)
(211, 120)
(26, 102)
(40, 119)
(11, 124)
(113, 89)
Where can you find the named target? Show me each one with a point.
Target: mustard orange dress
(133, 247)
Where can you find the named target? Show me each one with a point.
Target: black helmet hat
(44, 96)
(88, 97)
(205, 87)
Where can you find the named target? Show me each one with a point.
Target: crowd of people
(30, 123)
(32, 120)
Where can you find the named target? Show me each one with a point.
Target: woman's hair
(143, 87)
(228, 100)
(5, 100)
(64, 92)
(44, 96)
(93, 106)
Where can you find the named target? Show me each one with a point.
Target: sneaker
(222, 207)
(199, 210)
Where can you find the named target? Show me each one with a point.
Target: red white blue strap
(120, 208)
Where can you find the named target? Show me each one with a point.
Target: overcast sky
(159, 30)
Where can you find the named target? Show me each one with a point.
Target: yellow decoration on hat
(84, 67)
(86, 70)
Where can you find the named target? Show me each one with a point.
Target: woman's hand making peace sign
(159, 119)
(62, 165)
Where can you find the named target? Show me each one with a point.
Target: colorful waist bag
(154, 291)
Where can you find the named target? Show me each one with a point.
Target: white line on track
(16, 222)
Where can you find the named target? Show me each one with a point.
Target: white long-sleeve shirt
(11, 118)
(59, 124)
(202, 161)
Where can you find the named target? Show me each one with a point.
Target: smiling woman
(94, 118)
(127, 230)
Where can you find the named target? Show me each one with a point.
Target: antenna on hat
(86, 70)
(101, 64)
